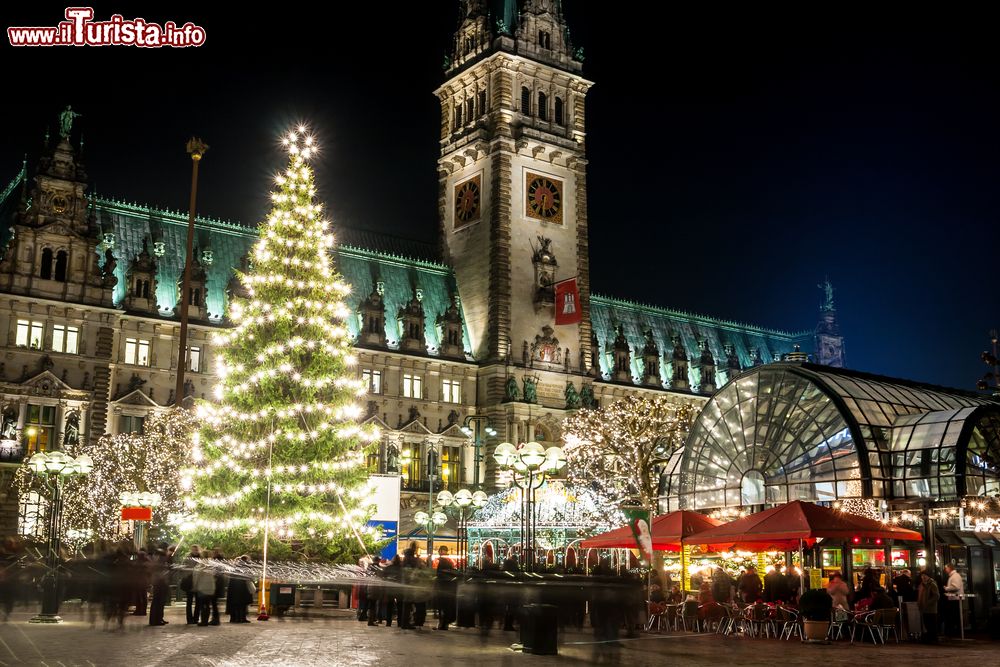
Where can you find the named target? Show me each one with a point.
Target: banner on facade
(638, 521)
(386, 517)
(567, 302)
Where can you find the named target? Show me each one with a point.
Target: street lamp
(475, 426)
(137, 507)
(463, 499)
(530, 463)
(54, 469)
(430, 523)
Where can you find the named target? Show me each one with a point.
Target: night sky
(735, 160)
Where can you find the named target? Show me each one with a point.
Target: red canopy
(781, 528)
(668, 530)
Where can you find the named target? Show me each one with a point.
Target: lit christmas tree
(281, 447)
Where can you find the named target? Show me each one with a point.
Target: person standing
(187, 584)
(927, 600)
(837, 588)
(221, 584)
(954, 591)
(722, 586)
(203, 585)
(903, 586)
(446, 585)
(159, 569)
(750, 586)
(776, 586)
(239, 595)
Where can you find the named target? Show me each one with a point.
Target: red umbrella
(668, 530)
(781, 529)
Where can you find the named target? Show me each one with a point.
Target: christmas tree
(281, 446)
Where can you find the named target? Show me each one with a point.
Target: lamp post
(474, 427)
(530, 463)
(137, 507)
(463, 499)
(430, 522)
(54, 469)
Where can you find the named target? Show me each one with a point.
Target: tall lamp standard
(531, 464)
(55, 469)
(475, 426)
(138, 508)
(463, 499)
(430, 523)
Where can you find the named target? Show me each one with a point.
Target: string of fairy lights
(285, 420)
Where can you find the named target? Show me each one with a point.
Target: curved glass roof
(799, 431)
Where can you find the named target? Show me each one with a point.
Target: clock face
(544, 198)
(467, 200)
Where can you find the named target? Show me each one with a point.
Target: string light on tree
(281, 448)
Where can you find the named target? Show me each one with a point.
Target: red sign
(137, 514)
(567, 302)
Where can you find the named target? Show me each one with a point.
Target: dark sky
(734, 159)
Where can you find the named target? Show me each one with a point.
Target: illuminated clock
(467, 200)
(544, 198)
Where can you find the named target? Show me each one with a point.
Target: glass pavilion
(799, 431)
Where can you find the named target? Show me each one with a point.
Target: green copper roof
(636, 318)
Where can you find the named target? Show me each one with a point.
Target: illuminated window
(451, 391)
(65, 339)
(449, 465)
(130, 424)
(29, 334)
(137, 352)
(194, 359)
(39, 428)
(412, 386)
(373, 379)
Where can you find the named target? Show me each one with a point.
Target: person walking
(837, 588)
(927, 601)
(954, 591)
(221, 584)
(186, 584)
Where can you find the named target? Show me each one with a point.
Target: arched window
(195, 297)
(525, 101)
(145, 289)
(458, 116)
(543, 107)
(544, 39)
(559, 112)
(46, 267)
(482, 103)
(62, 262)
(470, 109)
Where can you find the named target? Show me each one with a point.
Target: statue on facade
(572, 398)
(108, 271)
(71, 435)
(827, 288)
(511, 392)
(587, 399)
(530, 389)
(8, 431)
(392, 458)
(66, 121)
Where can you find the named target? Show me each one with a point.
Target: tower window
(470, 109)
(525, 101)
(62, 260)
(544, 39)
(46, 272)
(543, 107)
(559, 112)
(458, 116)
(482, 103)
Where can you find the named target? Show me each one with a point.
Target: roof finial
(827, 288)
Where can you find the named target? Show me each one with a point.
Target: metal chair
(868, 623)
(657, 615)
(790, 625)
(689, 615)
(839, 619)
(758, 619)
(887, 620)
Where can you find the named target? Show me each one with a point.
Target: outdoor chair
(868, 623)
(689, 616)
(714, 616)
(790, 625)
(839, 619)
(758, 620)
(887, 620)
(657, 615)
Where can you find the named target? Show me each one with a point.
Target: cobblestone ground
(340, 640)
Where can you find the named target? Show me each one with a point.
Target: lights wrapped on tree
(281, 451)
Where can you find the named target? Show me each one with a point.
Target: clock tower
(512, 181)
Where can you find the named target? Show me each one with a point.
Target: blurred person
(239, 595)
(837, 588)
(221, 583)
(954, 592)
(722, 585)
(446, 585)
(203, 585)
(187, 585)
(903, 585)
(159, 570)
(750, 586)
(881, 600)
(776, 586)
(927, 599)
(139, 575)
(392, 598)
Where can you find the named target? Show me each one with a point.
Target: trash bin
(282, 598)
(539, 629)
